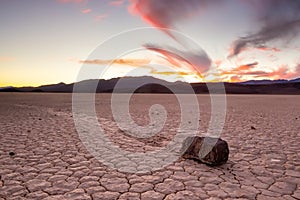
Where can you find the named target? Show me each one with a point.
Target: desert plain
(43, 157)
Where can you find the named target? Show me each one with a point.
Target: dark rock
(11, 153)
(211, 151)
(253, 128)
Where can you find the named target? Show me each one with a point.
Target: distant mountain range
(156, 86)
(266, 81)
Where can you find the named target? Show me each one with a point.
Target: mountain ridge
(129, 84)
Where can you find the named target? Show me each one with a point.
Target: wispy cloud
(139, 63)
(277, 20)
(182, 62)
(165, 13)
(130, 62)
(238, 74)
(248, 66)
(232, 50)
(273, 49)
(196, 61)
(86, 11)
(242, 69)
(284, 72)
(116, 3)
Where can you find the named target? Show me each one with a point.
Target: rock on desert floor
(43, 157)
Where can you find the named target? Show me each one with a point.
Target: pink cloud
(274, 49)
(164, 14)
(86, 11)
(196, 61)
(283, 72)
(116, 3)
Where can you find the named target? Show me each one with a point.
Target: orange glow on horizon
(145, 64)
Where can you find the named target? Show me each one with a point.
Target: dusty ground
(50, 161)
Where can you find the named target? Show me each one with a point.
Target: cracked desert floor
(42, 156)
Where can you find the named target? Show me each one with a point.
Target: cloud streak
(282, 72)
(196, 61)
(130, 62)
(279, 19)
(116, 3)
(247, 66)
(242, 69)
(276, 19)
(139, 63)
(238, 74)
(164, 14)
(273, 49)
(86, 11)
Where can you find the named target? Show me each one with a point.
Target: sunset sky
(45, 42)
